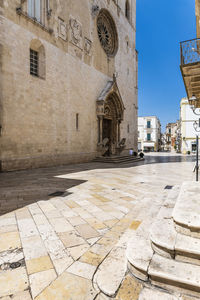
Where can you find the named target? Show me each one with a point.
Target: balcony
(190, 68)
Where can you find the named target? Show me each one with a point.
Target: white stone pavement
(73, 247)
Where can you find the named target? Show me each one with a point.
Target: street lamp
(193, 104)
(196, 125)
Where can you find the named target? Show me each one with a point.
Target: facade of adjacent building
(188, 132)
(149, 133)
(190, 106)
(190, 63)
(68, 80)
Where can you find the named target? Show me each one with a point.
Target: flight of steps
(168, 255)
(118, 159)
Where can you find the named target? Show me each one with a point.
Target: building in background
(68, 88)
(174, 128)
(188, 133)
(149, 133)
(178, 137)
(171, 136)
(168, 137)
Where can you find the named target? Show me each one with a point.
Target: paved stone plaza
(73, 246)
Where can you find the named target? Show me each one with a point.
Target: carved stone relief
(87, 46)
(75, 32)
(62, 29)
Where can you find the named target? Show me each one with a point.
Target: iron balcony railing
(190, 51)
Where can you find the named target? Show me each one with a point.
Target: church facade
(68, 81)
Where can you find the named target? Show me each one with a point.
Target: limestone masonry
(68, 81)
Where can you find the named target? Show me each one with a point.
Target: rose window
(107, 33)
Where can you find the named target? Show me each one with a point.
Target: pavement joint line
(43, 242)
(29, 286)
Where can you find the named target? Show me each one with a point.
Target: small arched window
(37, 59)
(127, 10)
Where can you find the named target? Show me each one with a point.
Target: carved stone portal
(110, 111)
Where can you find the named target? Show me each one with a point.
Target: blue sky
(161, 25)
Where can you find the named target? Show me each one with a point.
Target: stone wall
(38, 115)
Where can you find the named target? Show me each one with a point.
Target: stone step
(186, 213)
(167, 242)
(139, 254)
(118, 159)
(154, 294)
(168, 273)
(139, 249)
(163, 237)
(164, 257)
(161, 271)
(187, 249)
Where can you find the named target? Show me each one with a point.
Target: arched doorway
(111, 123)
(110, 110)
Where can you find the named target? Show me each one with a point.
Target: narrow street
(79, 235)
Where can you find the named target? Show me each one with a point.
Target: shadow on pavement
(20, 188)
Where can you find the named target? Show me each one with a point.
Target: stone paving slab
(114, 264)
(66, 287)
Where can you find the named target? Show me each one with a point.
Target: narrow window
(99, 139)
(33, 62)
(31, 8)
(128, 129)
(148, 124)
(34, 9)
(127, 10)
(77, 121)
(148, 136)
(37, 59)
